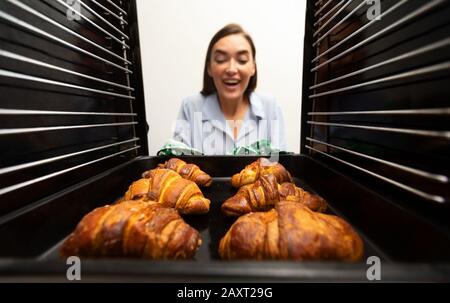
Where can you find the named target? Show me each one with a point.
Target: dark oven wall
(376, 97)
(71, 95)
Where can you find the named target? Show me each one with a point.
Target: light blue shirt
(202, 125)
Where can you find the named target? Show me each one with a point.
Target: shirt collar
(211, 109)
(256, 106)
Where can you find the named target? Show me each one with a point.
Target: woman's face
(231, 66)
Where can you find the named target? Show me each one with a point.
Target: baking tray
(43, 226)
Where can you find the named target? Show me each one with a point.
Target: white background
(174, 36)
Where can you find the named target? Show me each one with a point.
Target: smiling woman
(228, 114)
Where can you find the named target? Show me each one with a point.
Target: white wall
(174, 38)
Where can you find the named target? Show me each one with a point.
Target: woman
(227, 113)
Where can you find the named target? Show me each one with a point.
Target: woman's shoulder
(265, 99)
(194, 102)
(194, 98)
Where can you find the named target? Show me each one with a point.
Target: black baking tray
(411, 247)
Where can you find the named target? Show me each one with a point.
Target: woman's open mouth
(231, 83)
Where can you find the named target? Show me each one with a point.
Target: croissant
(258, 168)
(289, 192)
(187, 171)
(265, 193)
(133, 229)
(170, 189)
(291, 231)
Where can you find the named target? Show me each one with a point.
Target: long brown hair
(230, 29)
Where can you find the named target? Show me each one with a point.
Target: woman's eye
(220, 59)
(243, 60)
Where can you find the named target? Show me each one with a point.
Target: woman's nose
(232, 67)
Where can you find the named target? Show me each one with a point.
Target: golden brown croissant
(291, 231)
(260, 167)
(289, 192)
(187, 171)
(265, 193)
(170, 189)
(258, 196)
(133, 229)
